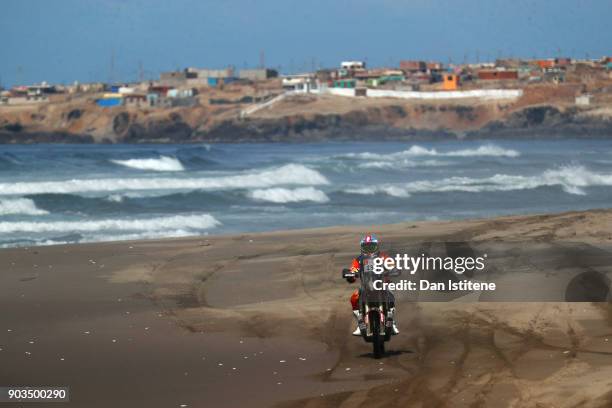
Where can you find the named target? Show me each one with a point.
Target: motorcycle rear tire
(378, 337)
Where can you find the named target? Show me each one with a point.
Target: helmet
(369, 244)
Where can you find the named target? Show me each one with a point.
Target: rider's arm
(355, 270)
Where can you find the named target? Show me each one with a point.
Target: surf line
(424, 284)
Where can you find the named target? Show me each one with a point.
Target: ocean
(54, 194)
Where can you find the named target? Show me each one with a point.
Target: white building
(352, 65)
(299, 82)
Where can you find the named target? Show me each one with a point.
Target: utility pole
(140, 72)
(262, 59)
(19, 75)
(111, 75)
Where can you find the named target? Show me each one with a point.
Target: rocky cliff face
(387, 122)
(351, 126)
(419, 123)
(12, 136)
(547, 121)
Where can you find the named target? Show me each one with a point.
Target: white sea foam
(111, 237)
(120, 197)
(23, 206)
(486, 150)
(572, 179)
(295, 174)
(401, 163)
(286, 195)
(161, 224)
(115, 198)
(162, 163)
(388, 189)
(419, 151)
(140, 235)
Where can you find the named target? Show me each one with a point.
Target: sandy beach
(264, 320)
(253, 204)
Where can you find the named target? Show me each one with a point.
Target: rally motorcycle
(376, 325)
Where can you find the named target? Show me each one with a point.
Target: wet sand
(264, 320)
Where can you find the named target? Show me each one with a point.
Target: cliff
(546, 113)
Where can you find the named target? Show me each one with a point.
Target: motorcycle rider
(370, 246)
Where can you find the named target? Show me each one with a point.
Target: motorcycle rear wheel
(378, 337)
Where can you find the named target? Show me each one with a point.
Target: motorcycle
(376, 326)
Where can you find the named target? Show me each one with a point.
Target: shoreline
(327, 229)
(464, 222)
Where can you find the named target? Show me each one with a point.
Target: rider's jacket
(357, 264)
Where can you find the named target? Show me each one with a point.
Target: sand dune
(264, 320)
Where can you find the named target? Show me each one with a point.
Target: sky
(62, 41)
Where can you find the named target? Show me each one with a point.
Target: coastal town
(213, 104)
(180, 88)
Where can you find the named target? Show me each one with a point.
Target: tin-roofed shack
(433, 66)
(135, 100)
(413, 66)
(491, 75)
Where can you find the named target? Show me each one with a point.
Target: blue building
(109, 102)
(216, 81)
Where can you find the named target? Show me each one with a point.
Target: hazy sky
(67, 40)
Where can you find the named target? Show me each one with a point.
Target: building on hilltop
(135, 100)
(352, 65)
(563, 62)
(450, 82)
(434, 67)
(299, 82)
(491, 75)
(260, 74)
(197, 77)
(413, 66)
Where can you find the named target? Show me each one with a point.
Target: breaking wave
(296, 174)
(419, 151)
(138, 235)
(115, 198)
(486, 150)
(121, 197)
(402, 163)
(286, 195)
(23, 206)
(162, 163)
(388, 189)
(159, 224)
(572, 179)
